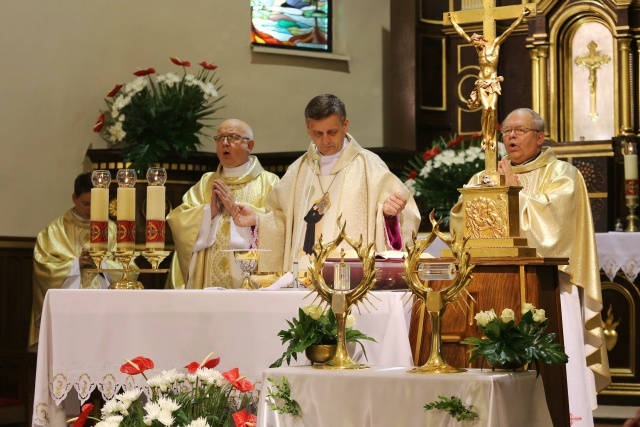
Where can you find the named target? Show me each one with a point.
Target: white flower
(528, 307)
(411, 185)
(168, 404)
(482, 318)
(351, 321)
(166, 418)
(172, 376)
(153, 412)
(129, 395)
(111, 406)
(507, 315)
(158, 382)
(313, 311)
(111, 421)
(200, 422)
(538, 315)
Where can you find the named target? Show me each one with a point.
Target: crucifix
(593, 60)
(487, 86)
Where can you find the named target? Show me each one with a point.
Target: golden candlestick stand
(435, 302)
(155, 257)
(342, 300)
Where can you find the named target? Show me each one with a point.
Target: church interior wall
(61, 58)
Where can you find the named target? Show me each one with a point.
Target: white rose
(483, 318)
(528, 307)
(538, 315)
(315, 312)
(351, 321)
(507, 315)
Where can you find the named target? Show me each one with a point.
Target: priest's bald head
(234, 142)
(523, 135)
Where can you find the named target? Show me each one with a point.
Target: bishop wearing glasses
(202, 227)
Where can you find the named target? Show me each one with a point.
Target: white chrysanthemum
(192, 378)
(172, 376)
(153, 412)
(166, 418)
(411, 185)
(168, 404)
(111, 406)
(135, 86)
(507, 315)
(210, 89)
(190, 79)
(200, 422)
(111, 421)
(170, 79)
(426, 169)
(129, 395)
(351, 321)
(206, 376)
(158, 382)
(220, 381)
(539, 315)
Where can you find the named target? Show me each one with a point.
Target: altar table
(619, 251)
(384, 397)
(86, 334)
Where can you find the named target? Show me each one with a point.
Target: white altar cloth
(619, 251)
(385, 397)
(86, 334)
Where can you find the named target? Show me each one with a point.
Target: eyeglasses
(232, 138)
(521, 130)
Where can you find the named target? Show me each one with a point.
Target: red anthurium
(114, 91)
(146, 72)
(436, 150)
(136, 366)
(430, 154)
(455, 142)
(208, 66)
(244, 419)
(413, 174)
(240, 383)
(206, 363)
(179, 62)
(87, 408)
(99, 124)
(479, 134)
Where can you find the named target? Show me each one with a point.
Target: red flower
(87, 408)
(146, 72)
(179, 62)
(240, 383)
(115, 91)
(413, 174)
(436, 150)
(244, 419)
(455, 142)
(477, 135)
(206, 363)
(99, 124)
(208, 66)
(136, 366)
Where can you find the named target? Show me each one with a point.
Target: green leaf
(454, 407)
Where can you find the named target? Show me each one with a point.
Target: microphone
(316, 155)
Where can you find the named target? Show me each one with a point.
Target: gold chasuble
(357, 185)
(210, 266)
(55, 262)
(555, 217)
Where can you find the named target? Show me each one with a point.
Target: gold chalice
(247, 262)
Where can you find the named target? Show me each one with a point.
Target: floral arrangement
(454, 407)
(279, 397)
(154, 116)
(197, 396)
(314, 326)
(435, 176)
(510, 344)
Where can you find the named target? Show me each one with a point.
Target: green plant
(506, 341)
(199, 397)
(435, 176)
(315, 325)
(454, 407)
(155, 116)
(282, 394)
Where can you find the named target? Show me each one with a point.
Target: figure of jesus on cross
(487, 86)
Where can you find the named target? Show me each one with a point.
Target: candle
(630, 170)
(155, 226)
(126, 208)
(99, 215)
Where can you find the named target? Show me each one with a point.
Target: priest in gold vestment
(59, 258)
(202, 227)
(335, 177)
(555, 217)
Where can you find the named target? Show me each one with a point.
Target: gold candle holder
(341, 301)
(630, 156)
(125, 258)
(435, 302)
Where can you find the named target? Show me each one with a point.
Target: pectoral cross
(487, 88)
(592, 60)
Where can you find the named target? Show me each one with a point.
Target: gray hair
(537, 122)
(323, 106)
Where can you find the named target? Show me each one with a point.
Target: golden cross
(593, 60)
(488, 15)
(487, 86)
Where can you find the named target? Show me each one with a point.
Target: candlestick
(126, 208)
(155, 226)
(99, 216)
(629, 149)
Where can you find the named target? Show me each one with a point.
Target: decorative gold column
(535, 79)
(543, 74)
(625, 86)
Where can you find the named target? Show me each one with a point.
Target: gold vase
(320, 353)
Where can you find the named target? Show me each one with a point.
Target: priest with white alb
(335, 177)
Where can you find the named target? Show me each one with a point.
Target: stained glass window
(292, 24)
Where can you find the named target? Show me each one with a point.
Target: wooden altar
(500, 283)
